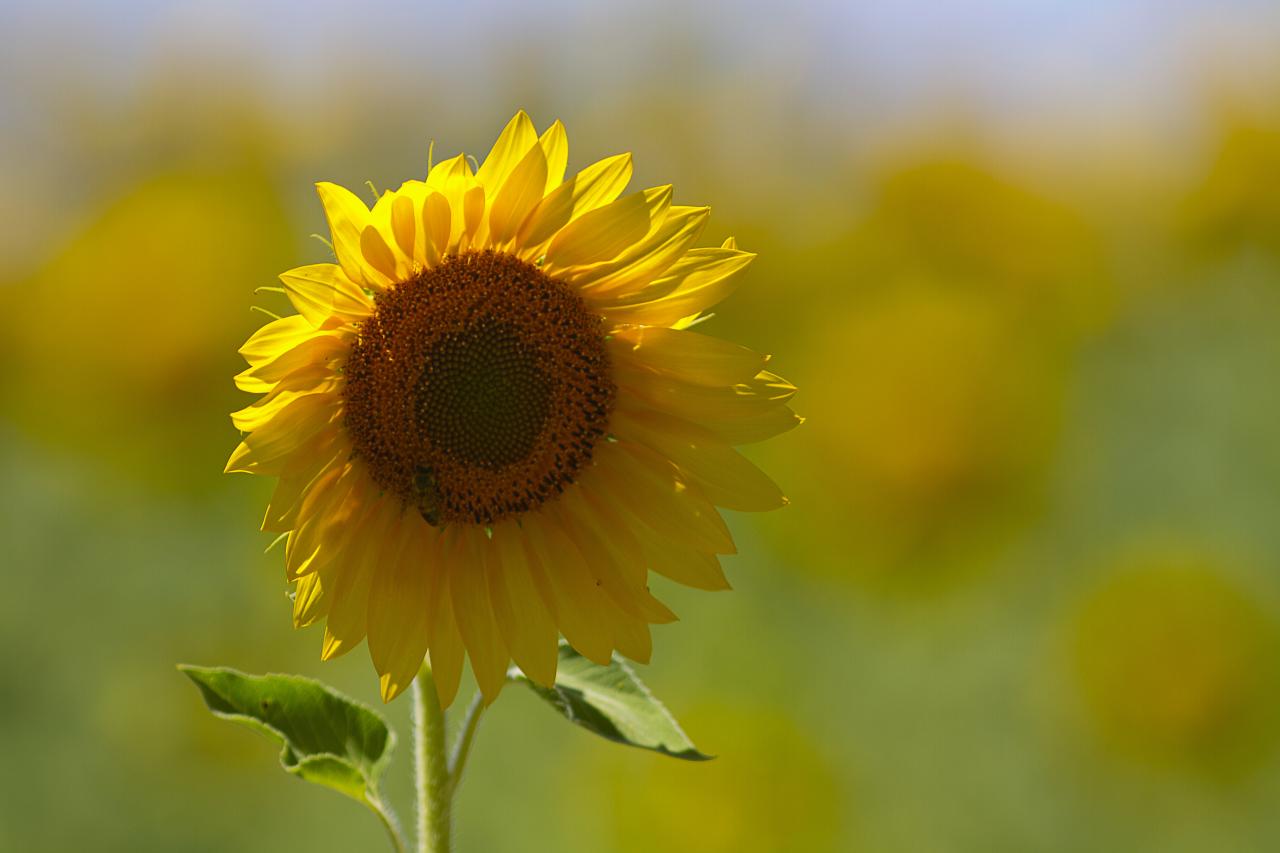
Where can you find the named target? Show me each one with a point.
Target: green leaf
(325, 737)
(612, 702)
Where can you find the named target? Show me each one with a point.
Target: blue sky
(1004, 53)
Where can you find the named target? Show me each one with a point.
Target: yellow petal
(379, 243)
(555, 145)
(252, 385)
(721, 473)
(631, 637)
(446, 643)
(519, 194)
(596, 185)
(399, 596)
(527, 627)
(474, 613)
(453, 180)
(265, 450)
(349, 611)
(288, 464)
(450, 173)
(615, 528)
(315, 589)
(437, 219)
(751, 428)
(262, 412)
(687, 356)
(691, 567)
(608, 576)
(472, 215)
(579, 602)
(692, 284)
(701, 404)
(327, 528)
(649, 486)
(606, 232)
(321, 292)
(739, 414)
(316, 351)
(319, 514)
(678, 230)
(378, 254)
(321, 375)
(311, 598)
(286, 498)
(276, 337)
(613, 553)
(404, 224)
(347, 217)
(515, 140)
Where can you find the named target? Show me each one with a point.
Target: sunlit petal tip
(516, 139)
(556, 128)
(555, 145)
(332, 647)
(235, 462)
(391, 686)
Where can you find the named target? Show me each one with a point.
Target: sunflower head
(509, 392)
(490, 419)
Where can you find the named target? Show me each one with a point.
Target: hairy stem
(462, 747)
(431, 767)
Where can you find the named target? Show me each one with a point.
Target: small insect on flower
(424, 483)
(490, 419)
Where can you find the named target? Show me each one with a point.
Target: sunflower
(490, 420)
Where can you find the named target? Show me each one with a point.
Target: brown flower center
(478, 388)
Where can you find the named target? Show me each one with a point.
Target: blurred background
(1022, 258)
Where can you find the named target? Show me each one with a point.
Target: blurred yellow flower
(139, 294)
(770, 789)
(1175, 662)
(1235, 207)
(965, 297)
(935, 434)
(950, 398)
(947, 219)
(490, 420)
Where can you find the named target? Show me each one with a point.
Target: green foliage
(325, 737)
(613, 703)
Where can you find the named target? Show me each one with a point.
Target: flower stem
(431, 767)
(462, 747)
(389, 822)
